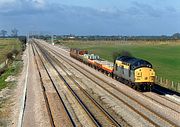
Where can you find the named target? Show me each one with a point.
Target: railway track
(49, 100)
(173, 100)
(163, 101)
(98, 115)
(150, 110)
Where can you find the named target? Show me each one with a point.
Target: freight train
(134, 72)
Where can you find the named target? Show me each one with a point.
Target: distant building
(71, 37)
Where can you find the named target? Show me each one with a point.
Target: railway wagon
(104, 66)
(108, 68)
(85, 58)
(91, 59)
(137, 73)
(78, 53)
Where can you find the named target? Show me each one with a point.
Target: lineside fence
(175, 86)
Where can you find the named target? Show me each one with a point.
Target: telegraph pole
(27, 38)
(52, 40)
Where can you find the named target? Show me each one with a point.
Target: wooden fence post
(166, 82)
(160, 80)
(172, 84)
(178, 87)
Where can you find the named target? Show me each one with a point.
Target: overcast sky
(92, 17)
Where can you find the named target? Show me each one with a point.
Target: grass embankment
(7, 46)
(165, 56)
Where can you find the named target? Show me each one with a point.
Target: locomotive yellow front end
(144, 75)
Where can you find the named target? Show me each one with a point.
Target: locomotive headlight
(152, 74)
(138, 74)
(152, 78)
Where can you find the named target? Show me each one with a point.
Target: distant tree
(176, 36)
(125, 53)
(14, 32)
(3, 33)
(23, 41)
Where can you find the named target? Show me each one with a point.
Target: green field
(6, 46)
(165, 56)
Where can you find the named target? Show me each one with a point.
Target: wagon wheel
(151, 87)
(135, 87)
(132, 85)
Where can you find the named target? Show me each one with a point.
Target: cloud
(6, 5)
(40, 4)
(41, 15)
(21, 6)
(29, 7)
(143, 9)
(3, 2)
(146, 9)
(171, 9)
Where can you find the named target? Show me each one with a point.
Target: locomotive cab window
(141, 63)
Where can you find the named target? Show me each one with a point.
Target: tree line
(175, 36)
(13, 33)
